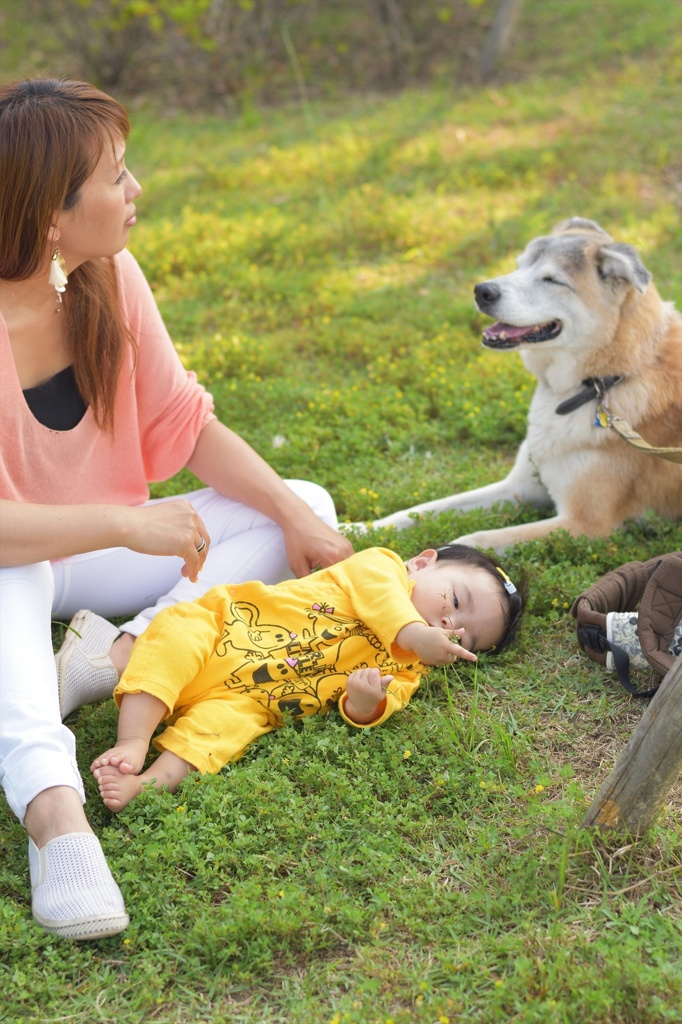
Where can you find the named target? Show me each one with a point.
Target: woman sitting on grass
(95, 404)
(223, 670)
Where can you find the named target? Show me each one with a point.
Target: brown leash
(606, 418)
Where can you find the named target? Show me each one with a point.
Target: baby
(225, 669)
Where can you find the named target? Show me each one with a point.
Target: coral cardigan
(159, 413)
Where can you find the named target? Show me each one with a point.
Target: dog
(588, 321)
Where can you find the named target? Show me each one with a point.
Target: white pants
(36, 750)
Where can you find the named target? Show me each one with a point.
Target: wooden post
(649, 766)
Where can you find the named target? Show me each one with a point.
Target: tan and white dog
(585, 314)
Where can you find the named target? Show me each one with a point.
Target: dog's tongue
(508, 330)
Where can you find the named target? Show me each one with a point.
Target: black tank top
(57, 403)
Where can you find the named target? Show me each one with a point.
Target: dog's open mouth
(502, 335)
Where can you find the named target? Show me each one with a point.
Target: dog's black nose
(486, 293)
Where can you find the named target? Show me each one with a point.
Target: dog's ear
(578, 224)
(619, 262)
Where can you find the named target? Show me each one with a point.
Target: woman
(95, 404)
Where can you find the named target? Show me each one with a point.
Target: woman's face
(100, 222)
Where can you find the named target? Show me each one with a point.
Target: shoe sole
(84, 928)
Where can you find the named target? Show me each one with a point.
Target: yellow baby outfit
(230, 665)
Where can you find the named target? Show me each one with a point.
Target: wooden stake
(651, 763)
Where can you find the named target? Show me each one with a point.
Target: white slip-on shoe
(74, 893)
(85, 671)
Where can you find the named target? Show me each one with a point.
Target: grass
(315, 266)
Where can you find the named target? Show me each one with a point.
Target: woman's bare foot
(115, 788)
(127, 756)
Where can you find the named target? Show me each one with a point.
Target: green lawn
(315, 265)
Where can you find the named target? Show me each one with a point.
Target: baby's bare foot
(115, 788)
(128, 756)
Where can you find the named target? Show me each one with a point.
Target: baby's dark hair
(514, 598)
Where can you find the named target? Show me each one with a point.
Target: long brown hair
(52, 134)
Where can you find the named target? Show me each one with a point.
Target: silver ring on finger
(200, 547)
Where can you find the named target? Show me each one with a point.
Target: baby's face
(453, 595)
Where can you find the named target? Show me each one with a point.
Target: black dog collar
(592, 387)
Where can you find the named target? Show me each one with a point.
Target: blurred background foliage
(218, 54)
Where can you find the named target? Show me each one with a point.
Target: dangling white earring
(58, 277)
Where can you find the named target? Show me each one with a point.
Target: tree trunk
(498, 38)
(649, 766)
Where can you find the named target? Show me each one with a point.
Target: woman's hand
(366, 692)
(224, 461)
(35, 533)
(431, 644)
(311, 544)
(170, 528)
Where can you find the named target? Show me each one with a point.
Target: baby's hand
(366, 690)
(433, 645)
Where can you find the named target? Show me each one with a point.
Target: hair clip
(508, 585)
